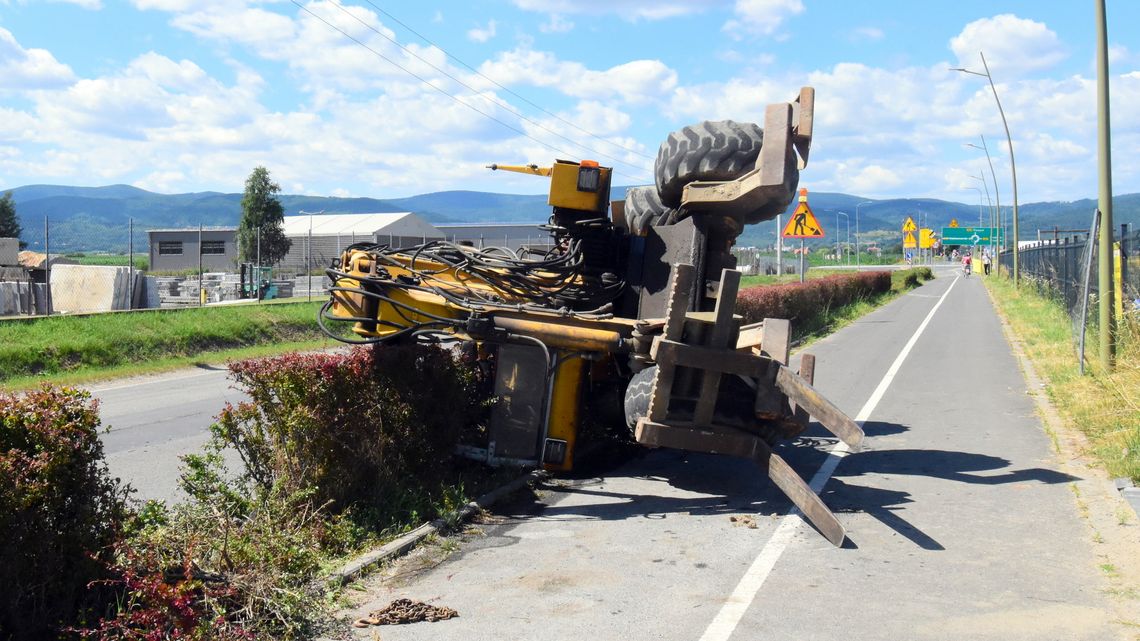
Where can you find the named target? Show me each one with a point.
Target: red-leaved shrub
(357, 429)
(800, 301)
(59, 510)
(165, 606)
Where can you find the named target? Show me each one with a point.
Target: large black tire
(643, 209)
(734, 404)
(710, 150)
(637, 396)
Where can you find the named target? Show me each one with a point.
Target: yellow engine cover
(565, 191)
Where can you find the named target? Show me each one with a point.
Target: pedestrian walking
(986, 263)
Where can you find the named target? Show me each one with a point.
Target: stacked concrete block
(9, 252)
(147, 293)
(15, 299)
(90, 288)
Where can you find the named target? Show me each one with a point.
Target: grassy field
(1103, 405)
(142, 261)
(75, 349)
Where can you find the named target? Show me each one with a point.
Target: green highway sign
(971, 236)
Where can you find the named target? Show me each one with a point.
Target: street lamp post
(848, 219)
(997, 200)
(1012, 162)
(981, 202)
(865, 202)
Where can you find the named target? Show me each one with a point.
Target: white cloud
(556, 24)
(1118, 54)
(29, 68)
(869, 33)
(186, 5)
(86, 4)
(362, 126)
(17, 126)
(482, 34)
(762, 17)
(634, 82)
(869, 179)
(1014, 46)
(627, 9)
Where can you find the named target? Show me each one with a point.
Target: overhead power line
(496, 83)
(453, 96)
(502, 103)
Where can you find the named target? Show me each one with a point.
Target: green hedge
(803, 301)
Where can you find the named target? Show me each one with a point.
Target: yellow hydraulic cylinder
(566, 406)
(566, 336)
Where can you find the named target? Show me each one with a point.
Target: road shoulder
(1112, 526)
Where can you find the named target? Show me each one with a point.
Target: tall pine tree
(9, 223)
(261, 209)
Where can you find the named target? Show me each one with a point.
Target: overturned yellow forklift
(636, 296)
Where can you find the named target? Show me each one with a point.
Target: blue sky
(189, 95)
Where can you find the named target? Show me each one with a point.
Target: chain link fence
(1066, 267)
(1056, 267)
(74, 267)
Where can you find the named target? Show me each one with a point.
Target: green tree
(261, 209)
(9, 223)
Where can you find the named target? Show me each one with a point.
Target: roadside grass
(1103, 405)
(77, 349)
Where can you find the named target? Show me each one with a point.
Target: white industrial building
(319, 238)
(510, 235)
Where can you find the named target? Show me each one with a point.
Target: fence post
(47, 257)
(201, 272)
(131, 263)
(1065, 260)
(1125, 252)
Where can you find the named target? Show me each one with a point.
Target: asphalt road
(154, 420)
(960, 523)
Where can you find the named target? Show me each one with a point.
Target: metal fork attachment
(695, 407)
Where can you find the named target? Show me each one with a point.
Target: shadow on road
(655, 484)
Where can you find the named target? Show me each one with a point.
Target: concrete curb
(1129, 492)
(360, 566)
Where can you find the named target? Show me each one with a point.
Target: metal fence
(76, 266)
(1066, 267)
(1055, 265)
(82, 265)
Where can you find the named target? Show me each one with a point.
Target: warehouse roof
(396, 224)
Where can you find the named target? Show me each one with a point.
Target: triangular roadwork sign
(909, 225)
(803, 224)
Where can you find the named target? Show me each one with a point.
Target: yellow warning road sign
(909, 225)
(803, 223)
(953, 222)
(925, 238)
(908, 241)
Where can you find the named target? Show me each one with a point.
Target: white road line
(160, 378)
(725, 622)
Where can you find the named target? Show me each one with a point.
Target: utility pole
(865, 202)
(1104, 196)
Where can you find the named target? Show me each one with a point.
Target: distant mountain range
(96, 218)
